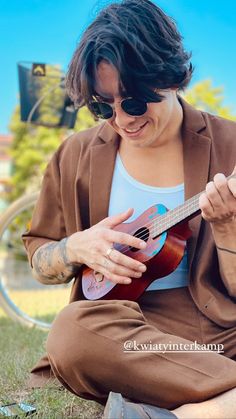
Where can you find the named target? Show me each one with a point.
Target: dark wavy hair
(141, 42)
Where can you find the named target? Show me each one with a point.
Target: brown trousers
(86, 350)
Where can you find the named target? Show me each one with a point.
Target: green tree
(33, 145)
(30, 151)
(32, 148)
(205, 97)
(84, 120)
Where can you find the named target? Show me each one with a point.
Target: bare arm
(51, 264)
(58, 262)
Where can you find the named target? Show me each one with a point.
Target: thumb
(232, 182)
(114, 220)
(233, 175)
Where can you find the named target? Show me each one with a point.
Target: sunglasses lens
(101, 110)
(134, 107)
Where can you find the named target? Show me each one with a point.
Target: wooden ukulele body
(162, 255)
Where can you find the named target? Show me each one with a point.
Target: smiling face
(160, 124)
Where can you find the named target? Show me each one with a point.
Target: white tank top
(127, 192)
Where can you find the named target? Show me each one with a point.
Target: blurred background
(40, 31)
(37, 40)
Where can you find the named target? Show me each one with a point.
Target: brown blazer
(76, 188)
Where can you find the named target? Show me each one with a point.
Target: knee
(82, 334)
(68, 341)
(71, 353)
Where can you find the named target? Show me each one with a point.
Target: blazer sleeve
(47, 222)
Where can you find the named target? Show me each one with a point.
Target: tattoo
(38, 260)
(62, 247)
(226, 250)
(51, 262)
(50, 252)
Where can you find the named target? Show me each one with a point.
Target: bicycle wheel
(22, 297)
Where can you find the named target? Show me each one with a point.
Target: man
(152, 148)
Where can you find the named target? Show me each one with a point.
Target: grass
(21, 347)
(41, 304)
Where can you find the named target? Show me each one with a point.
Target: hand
(218, 202)
(90, 248)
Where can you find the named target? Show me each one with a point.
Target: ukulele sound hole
(143, 234)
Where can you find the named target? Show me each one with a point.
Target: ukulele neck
(184, 212)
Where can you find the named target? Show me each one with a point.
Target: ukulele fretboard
(184, 211)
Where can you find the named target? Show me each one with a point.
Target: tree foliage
(33, 146)
(205, 97)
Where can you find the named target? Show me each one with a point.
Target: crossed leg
(86, 351)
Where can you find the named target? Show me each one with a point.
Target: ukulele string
(184, 210)
(187, 208)
(163, 224)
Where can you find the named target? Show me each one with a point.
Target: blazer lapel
(102, 165)
(196, 147)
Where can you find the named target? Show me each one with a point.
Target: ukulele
(165, 232)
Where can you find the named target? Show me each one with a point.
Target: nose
(122, 119)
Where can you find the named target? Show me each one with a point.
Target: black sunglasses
(129, 105)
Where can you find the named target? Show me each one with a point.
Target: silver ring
(105, 263)
(108, 252)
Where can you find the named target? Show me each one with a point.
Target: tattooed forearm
(51, 264)
(62, 247)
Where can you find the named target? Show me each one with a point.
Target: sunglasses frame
(120, 103)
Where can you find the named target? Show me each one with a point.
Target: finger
(214, 196)
(206, 207)
(232, 183)
(232, 186)
(117, 269)
(221, 184)
(227, 196)
(126, 261)
(117, 279)
(114, 236)
(114, 220)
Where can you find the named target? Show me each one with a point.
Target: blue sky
(48, 31)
